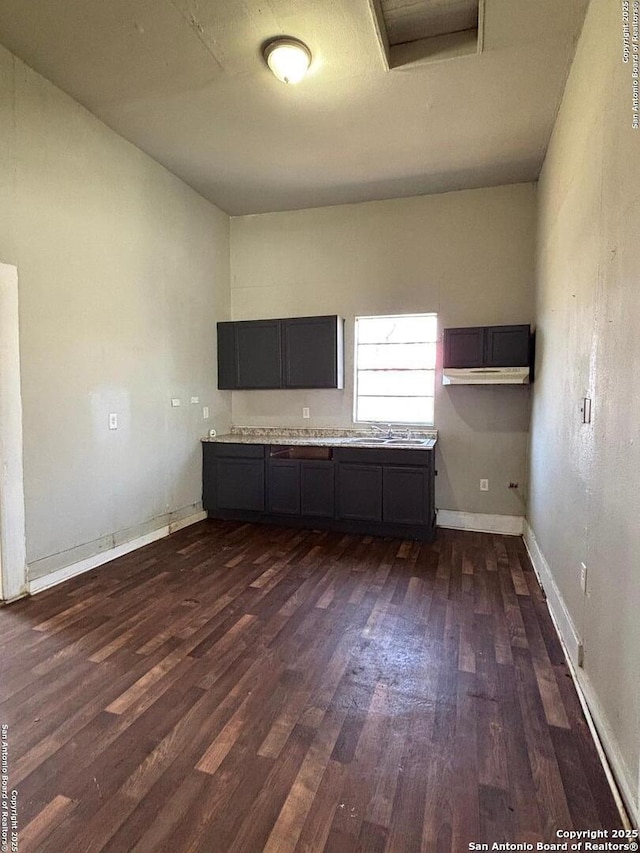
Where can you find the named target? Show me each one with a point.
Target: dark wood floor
(245, 688)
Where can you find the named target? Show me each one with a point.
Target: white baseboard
(54, 578)
(564, 623)
(174, 526)
(510, 525)
(621, 785)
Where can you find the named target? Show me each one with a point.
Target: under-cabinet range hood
(487, 355)
(485, 376)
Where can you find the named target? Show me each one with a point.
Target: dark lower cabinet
(405, 495)
(360, 492)
(233, 477)
(283, 486)
(381, 492)
(317, 489)
(239, 483)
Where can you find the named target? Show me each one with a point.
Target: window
(395, 364)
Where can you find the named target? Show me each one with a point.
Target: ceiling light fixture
(288, 58)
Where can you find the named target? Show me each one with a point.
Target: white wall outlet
(205, 413)
(175, 402)
(484, 485)
(195, 399)
(113, 420)
(583, 578)
(305, 412)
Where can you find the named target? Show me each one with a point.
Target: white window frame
(355, 370)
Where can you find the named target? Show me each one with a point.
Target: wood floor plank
(242, 688)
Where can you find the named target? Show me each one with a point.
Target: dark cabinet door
(258, 354)
(313, 352)
(405, 495)
(227, 374)
(507, 346)
(284, 486)
(360, 492)
(464, 347)
(208, 476)
(239, 483)
(317, 489)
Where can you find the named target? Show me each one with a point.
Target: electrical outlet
(205, 413)
(484, 485)
(175, 402)
(305, 412)
(113, 421)
(195, 399)
(583, 578)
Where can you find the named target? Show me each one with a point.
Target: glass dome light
(288, 58)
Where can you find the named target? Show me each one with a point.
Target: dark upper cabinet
(249, 355)
(487, 346)
(300, 352)
(258, 354)
(284, 486)
(405, 495)
(464, 347)
(507, 346)
(317, 489)
(360, 492)
(227, 373)
(313, 352)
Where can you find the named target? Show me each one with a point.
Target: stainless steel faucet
(386, 432)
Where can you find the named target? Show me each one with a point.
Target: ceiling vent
(411, 31)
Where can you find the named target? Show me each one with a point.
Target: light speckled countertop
(421, 439)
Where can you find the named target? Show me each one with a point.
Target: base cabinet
(240, 484)
(283, 486)
(379, 492)
(405, 495)
(317, 489)
(233, 478)
(360, 492)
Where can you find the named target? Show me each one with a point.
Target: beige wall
(123, 271)
(466, 255)
(584, 493)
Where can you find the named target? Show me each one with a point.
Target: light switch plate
(175, 402)
(113, 420)
(205, 413)
(195, 399)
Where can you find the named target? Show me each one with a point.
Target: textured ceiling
(185, 81)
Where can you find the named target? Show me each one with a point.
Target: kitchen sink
(407, 442)
(393, 442)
